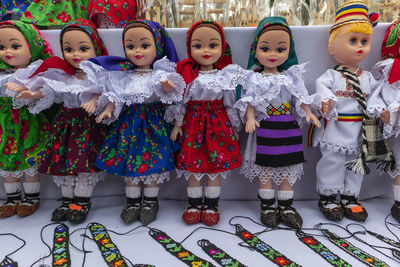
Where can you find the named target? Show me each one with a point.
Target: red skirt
(208, 144)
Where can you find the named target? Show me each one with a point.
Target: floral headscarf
(253, 63)
(391, 42)
(164, 48)
(38, 46)
(189, 68)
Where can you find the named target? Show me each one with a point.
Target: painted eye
(130, 47)
(15, 46)
(68, 49)
(2, 47)
(281, 50)
(145, 46)
(265, 49)
(213, 46)
(364, 42)
(197, 46)
(353, 41)
(84, 49)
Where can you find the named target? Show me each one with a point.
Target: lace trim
(164, 64)
(234, 118)
(81, 180)
(339, 148)
(199, 176)
(32, 171)
(375, 112)
(381, 70)
(258, 104)
(159, 178)
(291, 173)
(176, 94)
(174, 112)
(36, 106)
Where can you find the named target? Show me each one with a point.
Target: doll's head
(21, 44)
(146, 42)
(81, 41)
(273, 46)
(350, 36)
(391, 42)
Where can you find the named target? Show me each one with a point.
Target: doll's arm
(229, 99)
(310, 116)
(251, 122)
(323, 89)
(90, 106)
(107, 113)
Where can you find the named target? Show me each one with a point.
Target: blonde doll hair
(361, 27)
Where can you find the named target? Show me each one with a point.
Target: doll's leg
(287, 213)
(212, 191)
(149, 208)
(12, 186)
(352, 185)
(67, 190)
(330, 171)
(130, 213)
(192, 214)
(31, 190)
(269, 214)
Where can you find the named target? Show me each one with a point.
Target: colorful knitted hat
(354, 11)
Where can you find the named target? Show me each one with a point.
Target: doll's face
(14, 49)
(350, 48)
(77, 46)
(140, 47)
(206, 47)
(273, 49)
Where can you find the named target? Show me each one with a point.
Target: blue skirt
(138, 143)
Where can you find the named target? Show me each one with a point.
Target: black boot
(131, 211)
(288, 214)
(148, 210)
(60, 213)
(269, 214)
(330, 207)
(353, 209)
(79, 210)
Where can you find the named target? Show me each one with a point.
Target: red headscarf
(189, 68)
(390, 49)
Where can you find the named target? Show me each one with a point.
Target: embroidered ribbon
(8, 262)
(321, 250)
(266, 250)
(178, 250)
(350, 117)
(220, 256)
(354, 251)
(279, 109)
(108, 249)
(61, 256)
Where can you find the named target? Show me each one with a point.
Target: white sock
(83, 190)
(150, 191)
(195, 192)
(12, 187)
(396, 189)
(212, 191)
(266, 193)
(285, 195)
(31, 188)
(67, 191)
(132, 191)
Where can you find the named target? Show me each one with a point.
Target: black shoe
(395, 211)
(149, 210)
(333, 213)
(60, 213)
(353, 209)
(79, 210)
(131, 211)
(289, 215)
(269, 214)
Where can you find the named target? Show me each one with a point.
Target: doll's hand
(107, 113)
(30, 95)
(325, 107)
(311, 117)
(385, 116)
(175, 131)
(251, 125)
(167, 86)
(18, 88)
(90, 106)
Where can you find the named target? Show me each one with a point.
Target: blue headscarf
(164, 47)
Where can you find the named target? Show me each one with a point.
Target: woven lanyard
(266, 250)
(176, 249)
(361, 255)
(108, 249)
(220, 256)
(61, 256)
(321, 250)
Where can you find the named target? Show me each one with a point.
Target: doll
(206, 119)
(13, 9)
(75, 138)
(344, 141)
(45, 13)
(384, 103)
(137, 146)
(272, 93)
(22, 134)
(111, 14)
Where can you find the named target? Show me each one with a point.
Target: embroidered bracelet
(266, 250)
(321, 250)
(61, 256)
(178, 250)
(108, 249)
(354, 251)
(220, 256)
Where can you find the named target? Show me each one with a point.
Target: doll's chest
(134, 83)
(345, 88)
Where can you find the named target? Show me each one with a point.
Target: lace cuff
(36, 106)
(314, 101)
(259, 108)
(102, 103)
(174, 112)
(176, 93)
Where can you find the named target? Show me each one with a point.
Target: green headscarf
(38, 46)
(253, 64)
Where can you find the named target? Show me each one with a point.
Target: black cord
(206, 228)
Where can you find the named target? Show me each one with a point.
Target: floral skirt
(208, 144)
(22, 137)
(74, 143)
(138, 143)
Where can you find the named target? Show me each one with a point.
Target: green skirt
(22, 137)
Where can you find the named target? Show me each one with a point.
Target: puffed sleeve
(323, 87)
(164, 69)
(97, 77)
(232, 75)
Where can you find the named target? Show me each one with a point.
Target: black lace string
(206, 228)
(7, 257)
